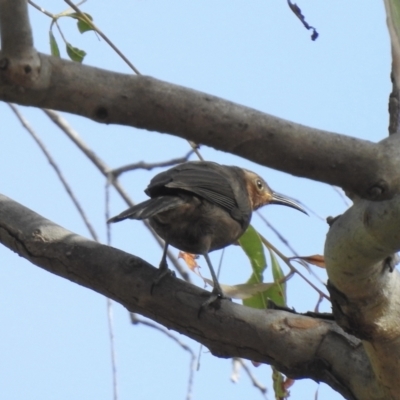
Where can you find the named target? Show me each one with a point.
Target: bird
(202, 206)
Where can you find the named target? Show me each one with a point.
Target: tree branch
(365, 293)
(319, 349)
(19, 62)
(107, 173)
(16, 38)
(356, 165)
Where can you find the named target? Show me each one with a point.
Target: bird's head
(260, 194)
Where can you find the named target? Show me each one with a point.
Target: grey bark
(365, 293)
(297, 345)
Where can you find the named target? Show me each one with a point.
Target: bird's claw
(213, 300)
(163, 271)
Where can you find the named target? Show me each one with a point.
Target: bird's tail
(148, 208)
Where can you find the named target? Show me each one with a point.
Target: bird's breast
(198, 226)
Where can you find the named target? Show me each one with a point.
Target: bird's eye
(259, 184)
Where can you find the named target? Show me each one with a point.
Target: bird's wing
(209, 183)
(149, 208)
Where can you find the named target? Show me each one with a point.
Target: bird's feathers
(149, 208)
(209, 182)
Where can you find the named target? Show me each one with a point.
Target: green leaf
(75, 54)
(278, 384)
(253, 247)
(55, 51)
(277, 293)
(83, 25)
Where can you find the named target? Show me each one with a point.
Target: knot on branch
(21, 71)
(378, 189)
(101, 113)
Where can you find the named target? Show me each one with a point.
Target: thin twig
(110, 308)
(311, 211)
(88, 225)
(106, 39)
(104, 169)
(287, 244)
(239, 362)
(193, 145)
(340, 192)
(136, 320)
(292, 268)
(41, 9)
(59, 30)
(107, 211)
(218, 273)
(277, 233)
(195, 148)
(57, 170)
(316, 308)
(306, 265)
(149, 166)
(112, 343)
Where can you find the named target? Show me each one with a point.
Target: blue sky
(54, 335)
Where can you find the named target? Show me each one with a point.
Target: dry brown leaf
(316, 259)
(297, 11)
(190, 260)
(288, 383)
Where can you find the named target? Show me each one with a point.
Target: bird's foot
(213, 300)
(163, 271)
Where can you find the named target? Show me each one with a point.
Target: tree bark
(299, 346)
(358, 249)
(356, 165)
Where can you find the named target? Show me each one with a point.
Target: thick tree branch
(16, 38)
(19, 62)
(356, 165)
(365, 293)
(299, 346)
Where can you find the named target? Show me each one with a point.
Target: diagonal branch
(319, 349)
(356, 165)
(149, 166)
(108, 173)
(192, 367)
(57, 170)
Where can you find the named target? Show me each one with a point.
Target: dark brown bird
(200, 206)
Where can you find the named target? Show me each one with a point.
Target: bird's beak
(278, 198)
